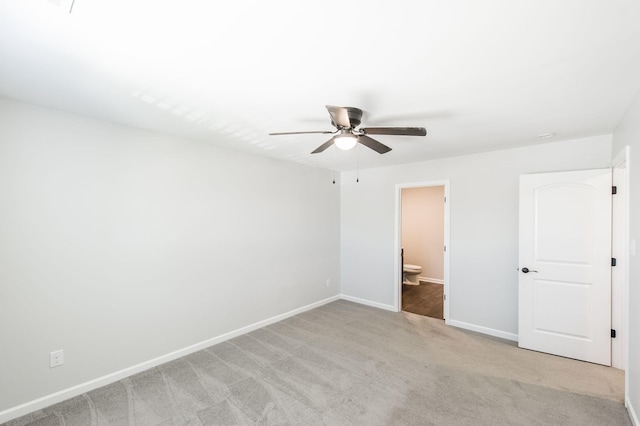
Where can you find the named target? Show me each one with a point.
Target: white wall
(628, 133)
(121, 245)
(423, 229)
(484, 226)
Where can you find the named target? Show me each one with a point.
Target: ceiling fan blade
(339, 115)
(400, 131)
(324, 146)
(301, 133)
(373, 144)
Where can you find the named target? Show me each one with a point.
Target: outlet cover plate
(56, 358)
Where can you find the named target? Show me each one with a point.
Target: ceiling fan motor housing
(355, 117)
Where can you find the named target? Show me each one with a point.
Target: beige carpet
(347, 364)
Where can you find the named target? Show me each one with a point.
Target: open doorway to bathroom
(423, 231)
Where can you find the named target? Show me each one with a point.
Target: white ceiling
(479, 75)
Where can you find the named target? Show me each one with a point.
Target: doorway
(422, 230)
(614, 324)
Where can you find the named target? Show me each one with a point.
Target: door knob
(526, 270)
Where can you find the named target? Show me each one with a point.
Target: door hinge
(445, 248)
(613, 333)
(613, 261)
(444, 297)
(445, 199)
(614, 190)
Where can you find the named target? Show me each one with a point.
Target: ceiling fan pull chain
(334, 162)
(357, 163)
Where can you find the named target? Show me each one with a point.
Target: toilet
(410, 274)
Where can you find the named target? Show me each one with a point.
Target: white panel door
(565, 264)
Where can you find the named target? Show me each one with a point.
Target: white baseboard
(54, 398)
(467, 326)
(484, 330)
(368, 303)
(431, 280)
(632, 413)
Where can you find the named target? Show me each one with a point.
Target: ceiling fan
(346, 136)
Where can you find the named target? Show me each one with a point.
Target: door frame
(397, 298)
(620, 247)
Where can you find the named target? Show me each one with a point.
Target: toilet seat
(407, 267)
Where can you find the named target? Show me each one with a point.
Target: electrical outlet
(56, 358)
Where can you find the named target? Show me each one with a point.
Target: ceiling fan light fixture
(346, 141)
